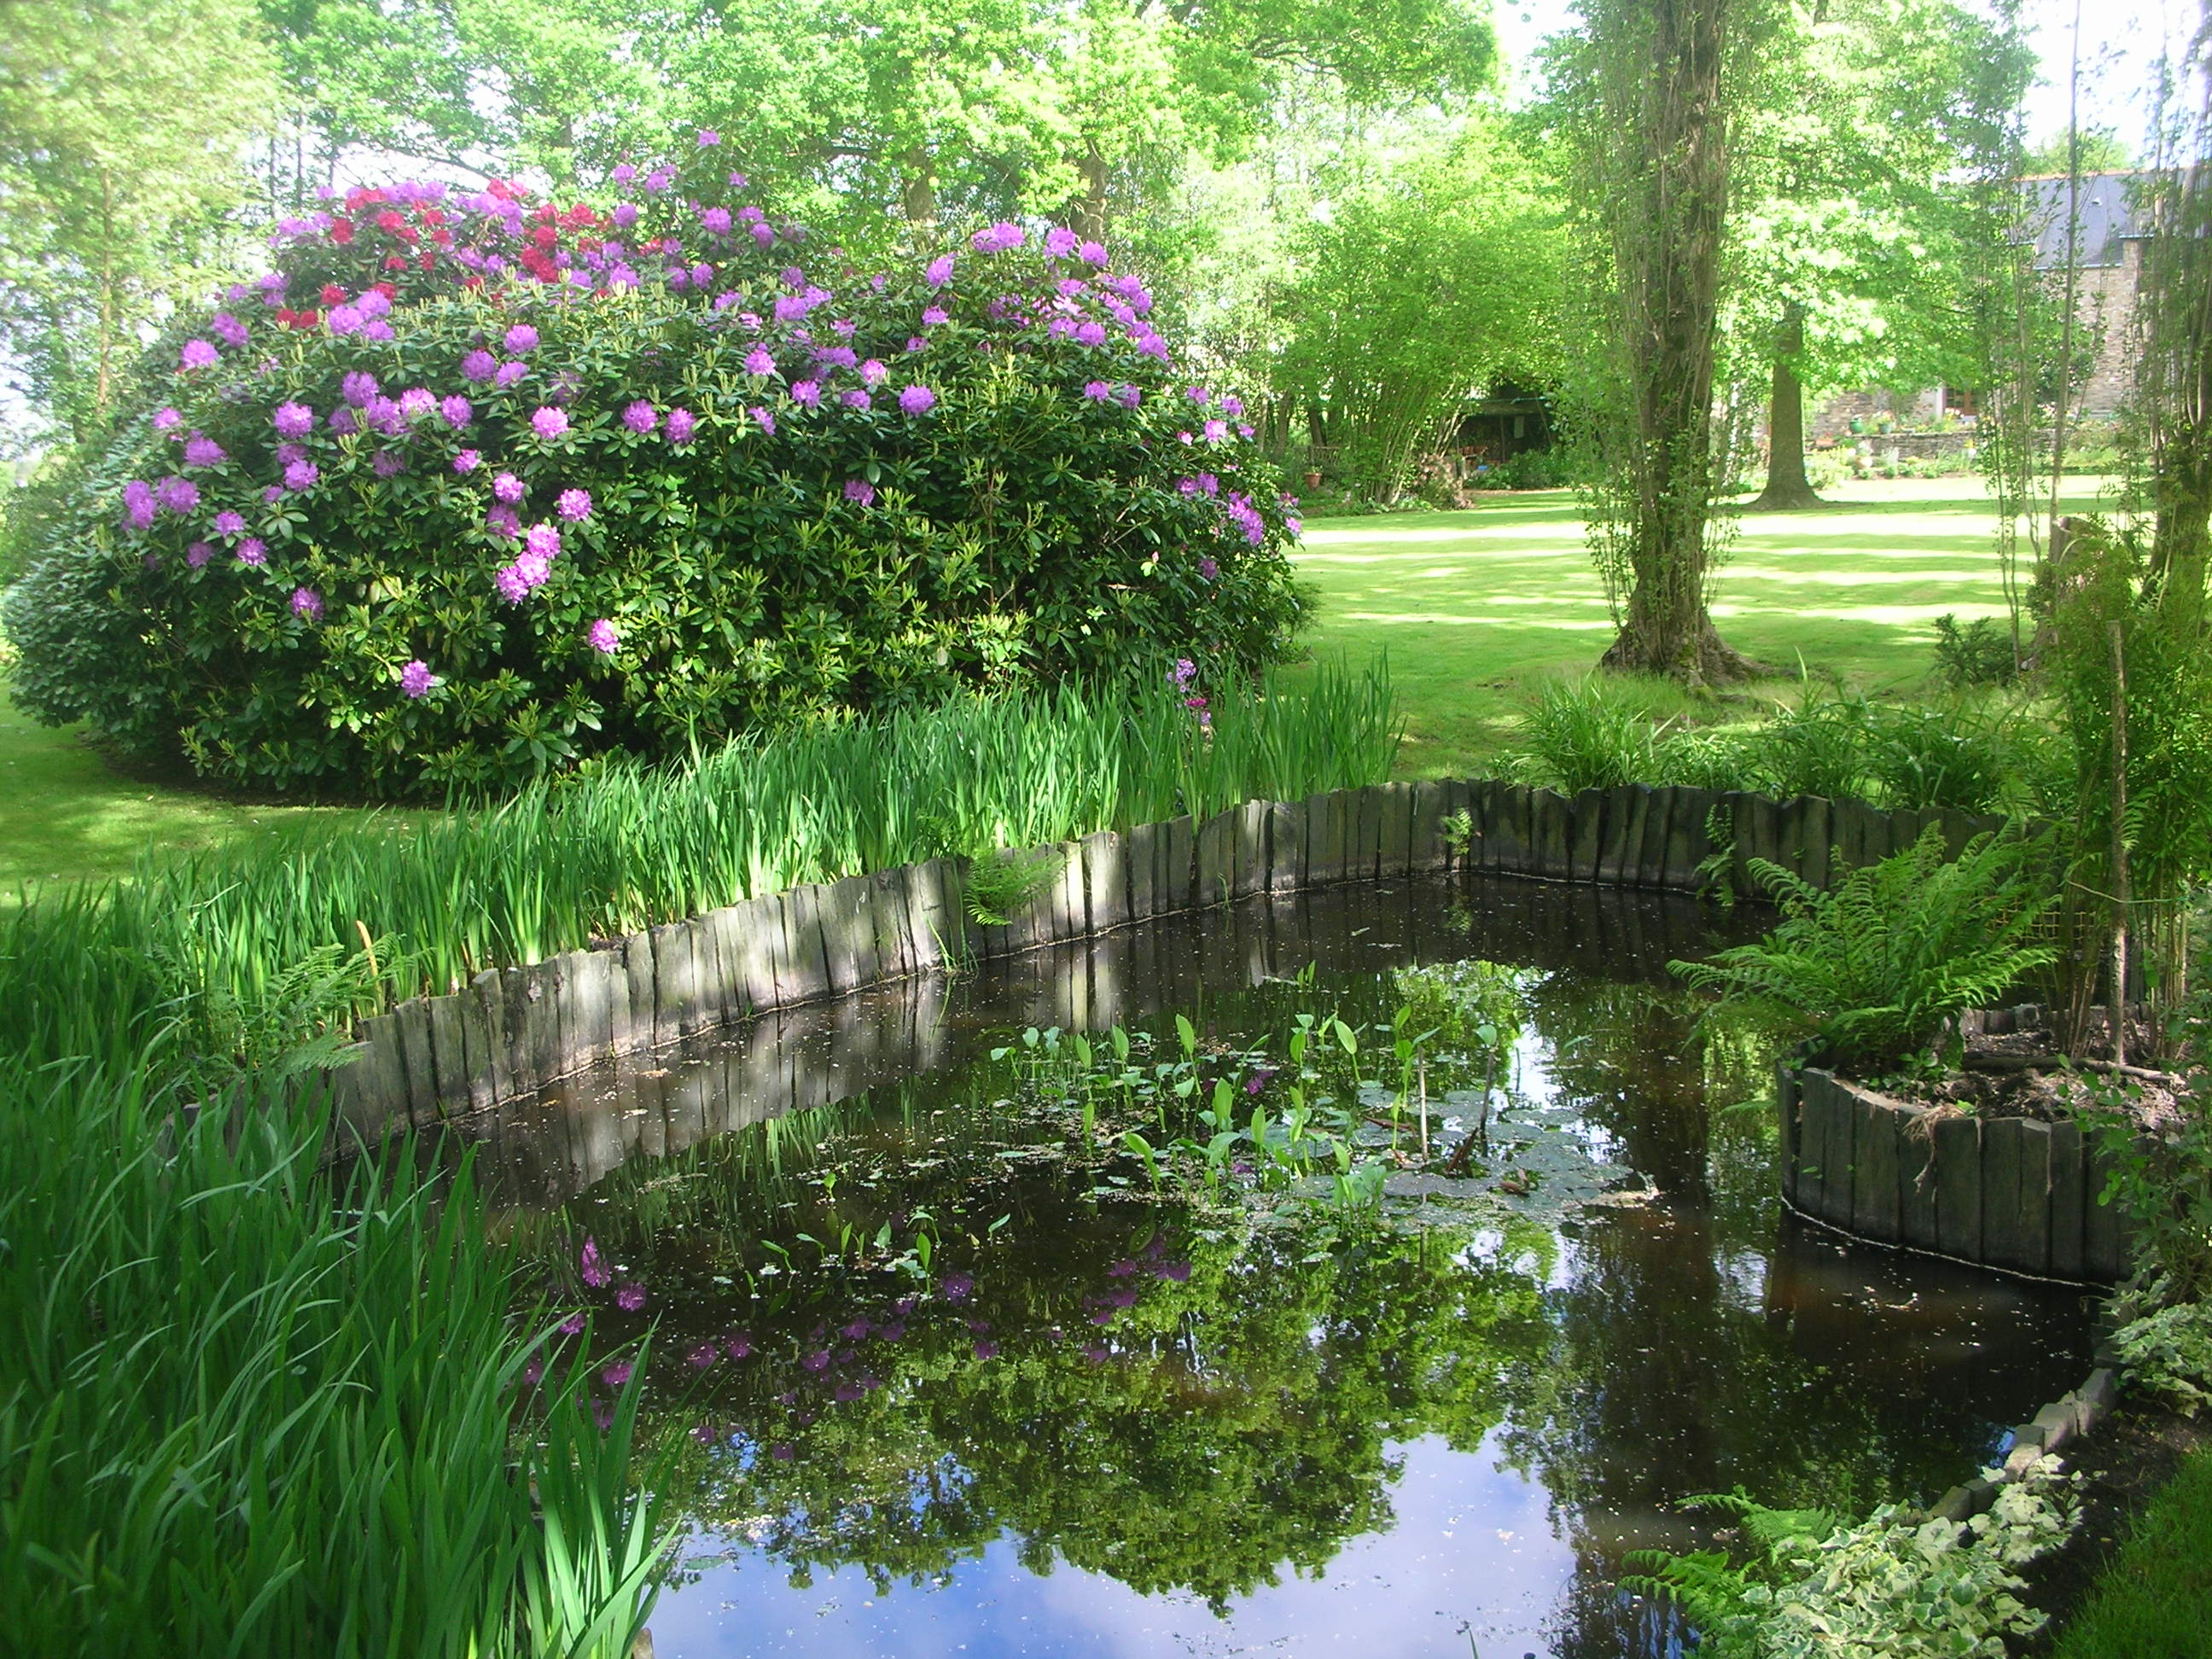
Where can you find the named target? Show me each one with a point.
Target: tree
(122, 131)
(1859, 219)
(1424, 277)
(1652, 94)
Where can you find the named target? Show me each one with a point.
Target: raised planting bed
(2008, 1182)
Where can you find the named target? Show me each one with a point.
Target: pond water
(950, 1375)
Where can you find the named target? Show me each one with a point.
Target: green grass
(1477, 607)
(245, 950)
(66, 814)
(2154, 1601)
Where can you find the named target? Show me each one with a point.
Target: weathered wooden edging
(2015, 1194)
(512, 1030)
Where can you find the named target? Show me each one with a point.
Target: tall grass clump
(252, 948)
(1599, 734)
(248, 1408)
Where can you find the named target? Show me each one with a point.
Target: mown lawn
(1475, 607)
(2154, 1601)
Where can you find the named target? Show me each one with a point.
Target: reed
(235, 954)
(252, 1409)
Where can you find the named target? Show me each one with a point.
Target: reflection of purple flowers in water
(573, 1324)
(630, 1298)
(956, 1287)
(616, 1374)
(986, 1350)
(738, 1347)
(594, 1266)
(703, 1355)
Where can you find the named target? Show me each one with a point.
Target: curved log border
(512, 1030)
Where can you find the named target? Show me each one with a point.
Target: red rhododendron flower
(388, 220)
(341, 232)
(332, 294)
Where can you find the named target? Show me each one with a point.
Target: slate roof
(2108, 217)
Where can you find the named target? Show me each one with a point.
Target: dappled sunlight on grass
(1476, 606)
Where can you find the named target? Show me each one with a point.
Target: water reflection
(1051, 1415)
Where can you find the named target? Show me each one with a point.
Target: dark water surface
(1097, 1423)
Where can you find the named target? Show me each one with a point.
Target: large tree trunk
(918, 189)
(1669, 222)
(1788, 489)
(1087, 212)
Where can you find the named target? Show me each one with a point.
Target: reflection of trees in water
(1198, 1417)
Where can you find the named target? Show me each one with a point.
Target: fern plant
(1875, 966)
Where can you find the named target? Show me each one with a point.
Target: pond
(960, 1359)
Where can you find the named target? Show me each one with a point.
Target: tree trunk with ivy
(1661, 153)
(1788, 489)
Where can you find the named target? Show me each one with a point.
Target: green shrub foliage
(1876, 965)
(469, 488)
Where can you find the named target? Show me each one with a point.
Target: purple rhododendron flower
(302, 475)
(228, 329)
(861, 490)
(594, 1266)
(716, 220)
(630, 1298)
(935, 314)
(457, 410)
(200, 451)
(251, 551)
(416, 679)
(917, 400)
(176, 495)
(603, 638)
(938, 271)
(996, 239)
(573, 504)
(345, 319)
(508, 374)
(640, 417)
(292, 419)
(230, 522)
(764, 235)
(520, 338)
(502, 522)
(1216, 432)
(198, 353)
(682, 423)
(708, 136)
(1060, 241)
(857, 399)
(1090, 334)
(341, 422)
(306, 602)
(760, 361)
(1092, 253)
(358, 387)
(1129, 396)
(388, 464)
(766, 421)
(511, 584)
(872, 372)
(543, 540)
(660, 180)
(807, 392)
(1197, 394)
(287, 453)
(416, 401)
(1232, 406)
(549, 421)
(1097, 391)
(198, 553)
(507, 488)
(479, 366)
(701, 274)
(915, 343)
(166, 420)
(1207, 569)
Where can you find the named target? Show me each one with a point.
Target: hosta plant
(468, 487)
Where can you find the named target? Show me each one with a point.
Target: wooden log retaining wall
(2011, 1193)
(512, 1030)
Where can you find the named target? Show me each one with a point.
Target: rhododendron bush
(469, 487)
